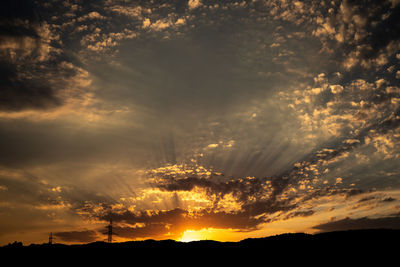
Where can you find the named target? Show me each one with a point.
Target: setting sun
(193, 235)
(223, 235)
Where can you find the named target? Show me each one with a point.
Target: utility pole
(110, 232)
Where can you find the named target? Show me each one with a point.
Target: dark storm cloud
(20, 23)
(392, 222)
(77, 236)
(18, 94)
(18, 9)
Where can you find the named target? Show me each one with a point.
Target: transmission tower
(51, 238)
(110, 232)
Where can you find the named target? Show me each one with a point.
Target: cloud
(304, 213)
(98, 43)
(391, 222)
(25, 9)
(360, 29)
(153, 230)
(35, 73)
(189, 114)
(263, 197)
(257, 204)
(91, 16)
(24, 40)
(131, 11)
(192, 4)
(65, 85)
(85, 236)
(18, 94)
(160, 25)
(25, 36)
(172, 223)
(349, 30)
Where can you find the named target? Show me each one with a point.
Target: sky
(197, 119)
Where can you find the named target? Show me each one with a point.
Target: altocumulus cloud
(168, 116)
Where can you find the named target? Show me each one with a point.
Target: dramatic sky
(197, 119)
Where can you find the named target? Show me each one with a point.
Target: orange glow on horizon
(215, 234)
(192, 235)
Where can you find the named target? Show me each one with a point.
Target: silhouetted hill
(352, 243)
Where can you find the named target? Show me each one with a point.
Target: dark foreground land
(356, 244)
(351, 238)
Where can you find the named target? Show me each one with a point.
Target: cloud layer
(246, 118)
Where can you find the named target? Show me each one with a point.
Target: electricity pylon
(110, 232)
(51, 238)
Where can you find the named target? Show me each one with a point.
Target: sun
(192, 235)
(216, 234)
